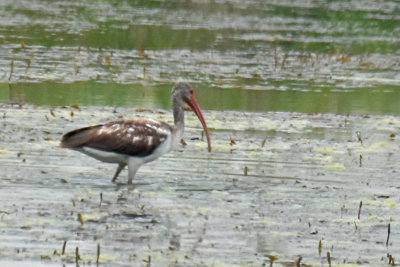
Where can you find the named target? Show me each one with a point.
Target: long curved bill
(196, 109)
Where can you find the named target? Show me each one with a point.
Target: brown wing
(131, 137)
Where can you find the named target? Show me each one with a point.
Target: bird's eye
(191, 91)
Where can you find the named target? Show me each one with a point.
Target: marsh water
(302, 100)
(306, 56)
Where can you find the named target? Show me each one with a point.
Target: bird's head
(183, 93)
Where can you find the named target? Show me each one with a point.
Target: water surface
(320, 56)
(286, 183)
(284, 85)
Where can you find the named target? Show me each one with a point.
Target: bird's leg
(121, 166)
(133, 166)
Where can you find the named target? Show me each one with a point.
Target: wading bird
(136, 141)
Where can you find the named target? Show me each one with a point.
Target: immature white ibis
(136, 141)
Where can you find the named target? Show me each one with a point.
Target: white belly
(105, 156)
(112, 157)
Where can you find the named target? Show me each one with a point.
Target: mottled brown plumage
(138, 137)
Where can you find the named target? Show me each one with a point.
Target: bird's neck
(179, 122)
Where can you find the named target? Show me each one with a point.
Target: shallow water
(274, 79)
(304, 183)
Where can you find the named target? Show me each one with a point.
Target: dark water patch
(306, 96)
(87, 93)
(151, 37)
(110, 35)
